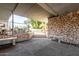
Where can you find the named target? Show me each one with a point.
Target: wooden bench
(10, 38)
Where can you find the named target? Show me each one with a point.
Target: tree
(36, 24)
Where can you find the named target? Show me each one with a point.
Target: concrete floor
(39, 47)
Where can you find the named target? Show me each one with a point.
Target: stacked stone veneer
(66, 26)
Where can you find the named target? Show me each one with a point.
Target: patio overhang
(37, 11)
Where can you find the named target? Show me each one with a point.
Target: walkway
(42, 47)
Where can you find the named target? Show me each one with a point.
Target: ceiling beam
(9, 9)
(15, 7)
(47, 8)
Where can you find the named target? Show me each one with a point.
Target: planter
(22, 35)
(28, 36)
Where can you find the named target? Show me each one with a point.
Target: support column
(12, 24)
(13, 41)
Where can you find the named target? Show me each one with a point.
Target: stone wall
(66, 26)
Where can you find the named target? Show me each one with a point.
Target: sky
(17, 19)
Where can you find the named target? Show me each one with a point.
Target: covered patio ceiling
(26, 10)
(37, 11)
(60, 8)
